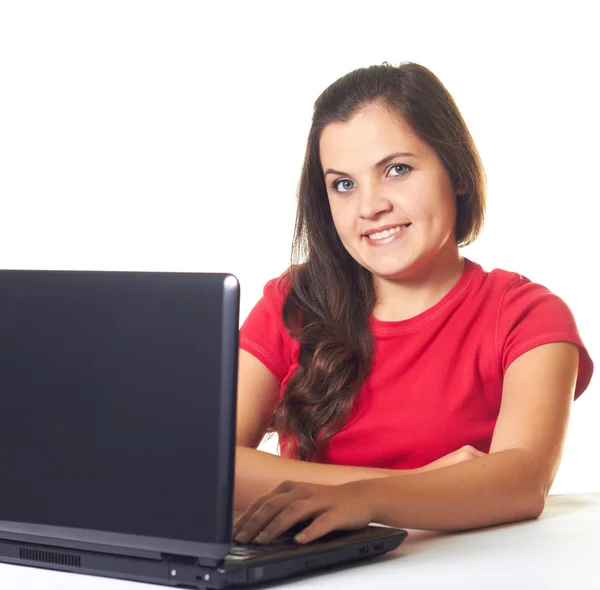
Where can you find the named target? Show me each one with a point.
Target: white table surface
(560, 550)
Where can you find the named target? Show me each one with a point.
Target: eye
(343, 185)
(402, 169)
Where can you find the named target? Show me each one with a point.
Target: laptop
(117, 432)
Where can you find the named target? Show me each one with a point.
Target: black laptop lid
(117, 401)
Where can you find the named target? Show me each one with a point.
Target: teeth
(386, 233)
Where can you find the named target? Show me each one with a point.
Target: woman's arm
(508, 485)
(257, 473)
(513, 481)
(487, 491)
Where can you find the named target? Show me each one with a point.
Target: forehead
(368, 136)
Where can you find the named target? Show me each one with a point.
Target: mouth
(386, 233)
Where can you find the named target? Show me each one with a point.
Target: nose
(372, 203)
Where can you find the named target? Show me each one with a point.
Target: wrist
(368, 491)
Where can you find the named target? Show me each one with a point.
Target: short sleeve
(263, 334)
(530, 315)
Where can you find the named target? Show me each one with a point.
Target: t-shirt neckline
(455, 293)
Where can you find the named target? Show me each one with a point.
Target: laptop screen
(110, 404)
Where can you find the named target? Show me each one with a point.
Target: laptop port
(364, 549)
(378, 547)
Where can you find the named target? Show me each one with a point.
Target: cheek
(435, 206)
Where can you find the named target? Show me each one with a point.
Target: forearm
(485, 491)
(257, 473)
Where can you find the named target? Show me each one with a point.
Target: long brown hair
(330, 296)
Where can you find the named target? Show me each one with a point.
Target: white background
(145, 135)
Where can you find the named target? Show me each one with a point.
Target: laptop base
(185, 572)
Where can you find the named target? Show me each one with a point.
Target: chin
(387, 273)
(397, 271)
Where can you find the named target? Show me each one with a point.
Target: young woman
(408, 385)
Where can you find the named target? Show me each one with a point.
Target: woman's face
(392, 201)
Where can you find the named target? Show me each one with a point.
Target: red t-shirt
(436, 379)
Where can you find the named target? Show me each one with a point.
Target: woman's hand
(332, 507)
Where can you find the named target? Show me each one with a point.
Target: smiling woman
(407, 384)
(415, 204)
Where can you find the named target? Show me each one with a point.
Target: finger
(246, 514)
(262, 516)
(326, 522)
(239, 524)
(282, 488)
(293, 513)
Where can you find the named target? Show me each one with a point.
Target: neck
(404, 298)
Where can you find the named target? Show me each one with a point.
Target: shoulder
(503, 281)
(514, 299)
(521, 297)
(528, 315)
(276, 290)
(263, 333)
(509, 289)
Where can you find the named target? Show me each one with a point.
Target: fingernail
(300, 537)
(261, 537)
(234, 532)
(242, 537)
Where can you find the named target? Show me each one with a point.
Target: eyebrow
(380, 163)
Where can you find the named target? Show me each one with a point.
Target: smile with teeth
(380, 235)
